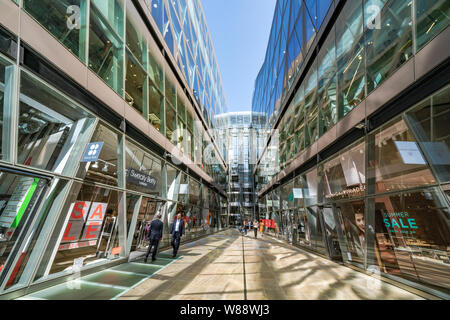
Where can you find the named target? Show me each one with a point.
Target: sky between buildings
(240, 32)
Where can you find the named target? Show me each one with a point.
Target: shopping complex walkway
(228, 266)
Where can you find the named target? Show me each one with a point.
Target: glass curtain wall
(369, 41)
(382, 203)
(116, 45)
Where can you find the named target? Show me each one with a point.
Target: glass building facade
(241, 133)
(99, 132)
(356, 152)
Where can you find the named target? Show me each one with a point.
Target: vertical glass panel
(430, 121)
(412, 237)
(135, 85)
(326, 64)
(143, 170)
(64, 19)
(107, 169)
(172, 174)
(398, 162)
(310, 185)
(431, 18)
(388, 38)
(112, 11)
(315, 228)
(171, 94)
(134, 39)
(20, 198)
(155, 72)
(299, 114)
(311, 107)
(344, 175)
(105, 51)
(52, 130)
(350, 57)
(156, 108)
(171, 121)
(6, 100)
(353, 228)
(90, 232)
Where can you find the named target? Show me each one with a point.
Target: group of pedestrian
(155, 235)
(248, 225)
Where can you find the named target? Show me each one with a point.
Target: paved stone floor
(212, 268)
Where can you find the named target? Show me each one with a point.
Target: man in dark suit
(177, 232)
(154, 235)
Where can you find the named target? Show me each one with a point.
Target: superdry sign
(141, 179)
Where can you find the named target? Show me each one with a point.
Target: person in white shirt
(177, 232)
(255, 227)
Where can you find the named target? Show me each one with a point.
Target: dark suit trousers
(175, 241)
(155, 243)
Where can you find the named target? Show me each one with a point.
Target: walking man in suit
(177, 232)
(154, 235)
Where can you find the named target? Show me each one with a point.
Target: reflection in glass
(398, 162)
(64, 19)
(105, 50)
(6, 93)
(19, 203)
(350, 57)
(430, 121)
(52, 130)
(431, 18)
(389, 46)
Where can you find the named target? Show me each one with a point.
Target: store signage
(354, 192)
(297, 193)
(400, 222)
(84, 223)
(92, 152)
(269, 223)
(141, 179)
(269, 203)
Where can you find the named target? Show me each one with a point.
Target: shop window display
(52, 130)
(20, 198)
(398, 162)
(91, 230)
(412, 236)
(352, 217)
(106, 169)
(344, 175)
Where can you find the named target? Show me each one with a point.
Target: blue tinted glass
(157, 13)
(322, 9)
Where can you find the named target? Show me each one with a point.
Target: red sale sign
(85, 221)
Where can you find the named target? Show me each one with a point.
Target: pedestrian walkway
(227, 265)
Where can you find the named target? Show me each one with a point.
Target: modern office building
(356, 161)
(105, 117)
(240, 134)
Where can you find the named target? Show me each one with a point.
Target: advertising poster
(84, 225)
